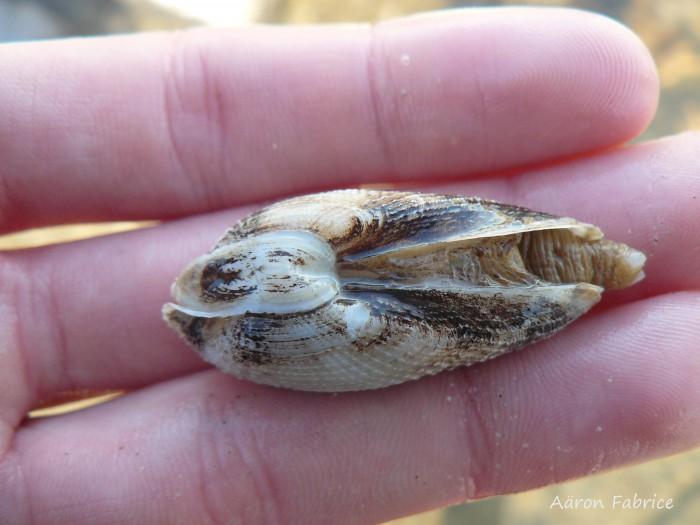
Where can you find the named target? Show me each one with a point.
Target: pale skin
(490, 103)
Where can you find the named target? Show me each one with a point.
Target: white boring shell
(359, 289)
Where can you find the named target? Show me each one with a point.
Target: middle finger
(90, 311)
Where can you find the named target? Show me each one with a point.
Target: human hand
(520, 105)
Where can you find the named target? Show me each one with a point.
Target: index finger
(162, 125)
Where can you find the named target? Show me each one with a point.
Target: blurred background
(671, 30)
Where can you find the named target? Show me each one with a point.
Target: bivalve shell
(360, 289)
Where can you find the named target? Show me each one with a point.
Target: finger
(87, 315)
(156, 126)
(209, 445)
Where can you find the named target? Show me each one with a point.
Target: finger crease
(172, 100)
(231, 445)
(5, 202)
(41, 334)
(379, 112)
(193, 99)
